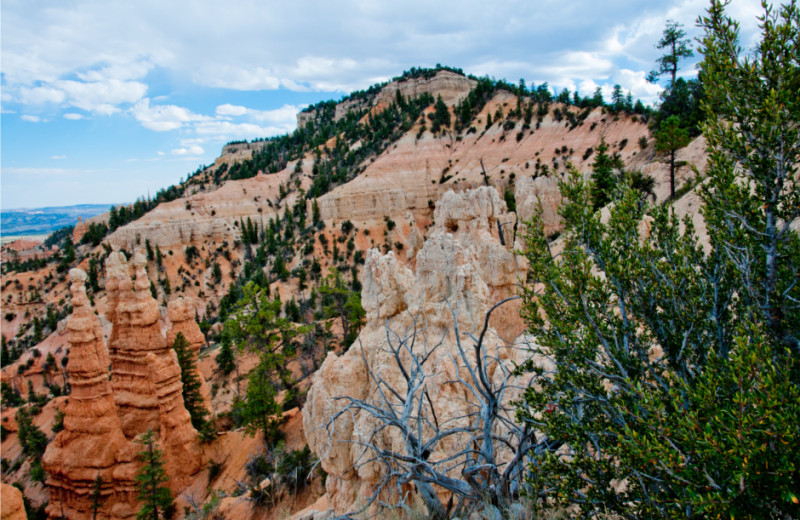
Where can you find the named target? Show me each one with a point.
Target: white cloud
(101, 96)
(40, 95)
(30, 118)
(192, 150)
(162, 118)
(58, 157)
(231, 110)
(104, 57)
(72, 116)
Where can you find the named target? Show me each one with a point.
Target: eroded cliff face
(462, 270)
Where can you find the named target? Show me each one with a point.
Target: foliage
(604, 180)
(58, 421)
(261, 411)
(256, 325)
(675, 369)
(156, 498)
(192, 399)
(10, 397)
(32, 440)
(225, 359)
(677, 45)
(96, 496)
(342, 302)
(670, 138)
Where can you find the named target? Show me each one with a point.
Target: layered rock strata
(136, 332)
(462, 270)
(92, 444)
(181, 313)
(179, 439)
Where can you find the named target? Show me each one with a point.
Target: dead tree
(475, 475)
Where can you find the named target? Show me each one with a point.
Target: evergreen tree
(156, 498)
(5, 354)
(225, 360)
(441, 115)
(671, 368)
(670, 138)
(10, 397)
(617, 99)
(92, 281)
(677, 45)
(603, 178)
(340, 301)
(32, 440)
(315, 215)
(261, 410)
(96, 496)
(192, 399)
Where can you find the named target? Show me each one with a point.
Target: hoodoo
(91, 450)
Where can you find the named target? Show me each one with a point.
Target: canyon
(436, 220)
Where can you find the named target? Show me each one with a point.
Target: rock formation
(92, 444)
(179, 439)
(104, 415)
(462, 269)
(540, 192)
(136, 332)
(11, 505)
(181, 313)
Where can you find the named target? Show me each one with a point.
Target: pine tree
(150, 479)
(192, 399)
(96, 496)
(603, 178)
(261, 410)
(672, 364)
(670, 138)
(225, 360)
(674, 39)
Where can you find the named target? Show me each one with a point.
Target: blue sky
(105, 101)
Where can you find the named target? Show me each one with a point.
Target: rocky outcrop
(92, 444)
(541, 192)
(135, 333)
(462, 270)
(451, 86)
(11, 505)
(104, 414)
(181, 313)
(179, 439)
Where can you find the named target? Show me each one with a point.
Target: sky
(104, 102)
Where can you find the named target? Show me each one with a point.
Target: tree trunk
(672, 174)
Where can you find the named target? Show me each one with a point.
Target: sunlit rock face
(462, 269)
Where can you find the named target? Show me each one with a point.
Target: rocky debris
(181, 313)
(135, 333)
(462, 269)
(92, 444)
(12, 506)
